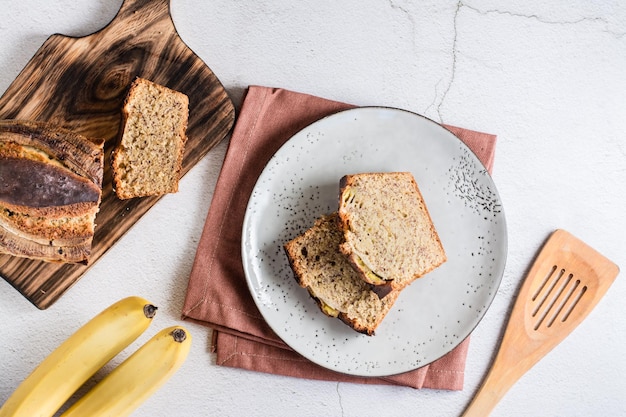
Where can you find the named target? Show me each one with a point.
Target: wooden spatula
(80, 84)
(564, 284)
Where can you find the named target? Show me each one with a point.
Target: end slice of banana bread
(148, 158)
(389, 237)
(338, 290)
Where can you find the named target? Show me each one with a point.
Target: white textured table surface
(547, 79)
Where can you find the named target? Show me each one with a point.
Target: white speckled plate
(301, 182)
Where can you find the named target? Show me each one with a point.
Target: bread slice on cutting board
(147, 160)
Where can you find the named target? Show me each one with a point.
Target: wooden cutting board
(80, 84)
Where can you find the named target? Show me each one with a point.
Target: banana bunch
(118, 394)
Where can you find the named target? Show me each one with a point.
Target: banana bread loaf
(50, 191)
(148, 158)
(389, 237)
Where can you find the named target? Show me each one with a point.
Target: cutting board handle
(140, 13)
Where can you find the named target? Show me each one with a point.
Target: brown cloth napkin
(217, 294)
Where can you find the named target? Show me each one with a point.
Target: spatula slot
(563, 295)
(559, 299)
(577, 299)
(543, 283)
(550, 283)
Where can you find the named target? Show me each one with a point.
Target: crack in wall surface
(460, 5)
(454, 53)
(409, 16)
(339, 396)
(537, 17)
(602, 20)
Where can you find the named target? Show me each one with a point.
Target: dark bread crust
(40, 185)
(83, 156)
(12, 244)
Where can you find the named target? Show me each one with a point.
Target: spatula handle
(515, 357)
(490, 393)
(511, 362)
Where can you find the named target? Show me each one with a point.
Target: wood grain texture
(80, 84)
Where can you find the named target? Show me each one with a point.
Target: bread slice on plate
(338, 290)
(50, 191)
(148, 158)
(389, 237)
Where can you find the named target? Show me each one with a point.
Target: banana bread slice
(338, 290)
(389, 237)
(148, 157)
(50, 191)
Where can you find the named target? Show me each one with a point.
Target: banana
(58, 376)
(123, 390)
